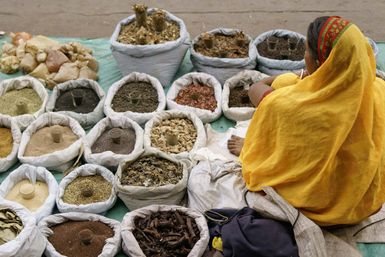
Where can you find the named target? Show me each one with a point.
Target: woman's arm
(260, 89)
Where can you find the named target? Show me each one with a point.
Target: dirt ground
(97, 18)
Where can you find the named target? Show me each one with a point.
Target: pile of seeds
(18, 102)
(151, 171)
(148, 29)
(6, 142)
(10, 225)
(123, 143)
(80, 100)
(87, 189)
(50, 139)
(223, 46)
(198, 96)
(80, 238)
(174, 135)
(166, 234)
(135, 97)
(239, 94)
(282, 49)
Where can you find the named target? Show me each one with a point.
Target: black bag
(245, 233)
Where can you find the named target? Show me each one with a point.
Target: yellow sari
(320, 141)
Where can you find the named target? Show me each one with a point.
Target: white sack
(9, 160)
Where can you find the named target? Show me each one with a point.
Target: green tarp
(109, 73)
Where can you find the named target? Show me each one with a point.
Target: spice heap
(80, 100)
(31, 196)
(135, 97)
(151, 171)
(19, 102)
(174, 135)
(239, 94)
(10, 225)
(282, 48)
(166, 234)
(47, 59)
(6, 142)
(116, 140)
(197, 95)
(50, 139)
(148, 28)
(87, 189)
(80, 238)
(223, 46)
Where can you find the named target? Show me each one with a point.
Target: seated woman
(319, 140)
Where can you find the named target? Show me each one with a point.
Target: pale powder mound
(33, 199)
(42, 141)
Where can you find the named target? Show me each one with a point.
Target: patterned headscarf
(329, 35)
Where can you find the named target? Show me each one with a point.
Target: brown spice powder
(80, 238)
(87, 189)
(6, 142)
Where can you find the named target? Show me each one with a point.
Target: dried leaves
(174, 135)
(166, 234)
(151, 171)
(197, 95)
(10, 225)
(223, 46)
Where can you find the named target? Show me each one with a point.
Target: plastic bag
(239, 113)
(7, 161)
(223, 68)
(196, 78)
(131, 246)
(24, 120)
(200, 139)
(111, 247)
(86, 170)
(33, 174)
(110, 159)
(135, 197)
(273, 72)
(161, 60)
(58, 160)
(86, 120)
(216, 185)
(140, 118)
(272, 64)
(30, 242)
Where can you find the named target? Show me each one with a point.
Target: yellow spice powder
(6, 142)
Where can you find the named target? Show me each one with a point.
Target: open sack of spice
(113, 140)
(19, 234)
(196, 92)
(223, 53)
(152, 178)
(52, 141)
(23, 99)
(152, 41)
(280, 51)
(137, 96)
(164, 230)
(48, 60)
(78, 234)
(10, 137)
(88, 188)
(236, 104)
(81, 99)
(174, 132)
(33, 187)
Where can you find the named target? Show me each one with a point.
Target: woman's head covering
(320, 141)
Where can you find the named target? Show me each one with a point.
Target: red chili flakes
(198, 96)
